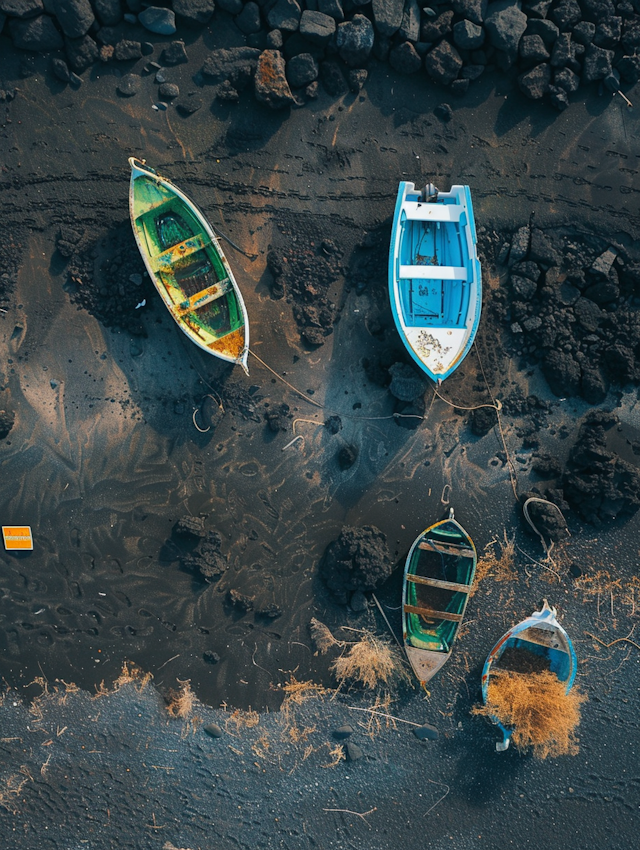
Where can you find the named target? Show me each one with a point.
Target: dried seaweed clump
(370, 662)
(497, 560)
(322, 637)
(535, 705)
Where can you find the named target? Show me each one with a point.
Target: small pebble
(426, 732)
(213, 730)
(353, 751)
(343, 732)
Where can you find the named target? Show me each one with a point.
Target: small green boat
(438, 578)
(187, 265)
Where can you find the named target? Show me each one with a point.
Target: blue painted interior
(433, 302)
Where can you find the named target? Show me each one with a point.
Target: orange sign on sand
(17, 537)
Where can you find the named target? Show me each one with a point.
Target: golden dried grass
(322, 637)
(131, 673)
(535, 705)
(180, 701)
(497, 561)
(370, 662)
(239, 720)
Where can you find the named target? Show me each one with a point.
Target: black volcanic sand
(101, 457)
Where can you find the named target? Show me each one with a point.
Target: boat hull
(438, 578)
(540, 635)
(187, 266)
(435, 281)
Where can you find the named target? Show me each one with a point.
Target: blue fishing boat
(539, 636)
(438, 578)
(435, 280)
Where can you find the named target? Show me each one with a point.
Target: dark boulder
(358, 560)
(443, 63)
(126, 50)
(239, 600)
(405, 59)
(535, 83)
(129, 85)
(174, 53)
(74, 16)
(387, 15)
(410, 27)
(434, 29)
(471, 10)
(562, 372)
(406, 383)
(533, 50)
(158, 20)
(566, 14)
(207, 559)
(333, 8)
(284, 15)
(21, 9)
(271, 86)
(195, 13)
(505, 24)
(36, 34)
(482, 420)
(248, 20)
(608, 32)
(81, 52)
(190, 526)
(467, 35)
(236, 64)
(597, 482)
(347, 456)
(317, 27)
(547, 30)
(584, 32)
(301, 70)
(354, 40)
(332, 78)
(7, 420)
(597, 63)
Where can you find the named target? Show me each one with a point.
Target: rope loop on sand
(525, 511)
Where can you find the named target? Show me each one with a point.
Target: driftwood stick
(375, 599)
(362, 815)
(382, 714)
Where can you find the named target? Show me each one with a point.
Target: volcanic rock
(443, 63)
(358, 560)
(354, 40)
(36, 34)
(190, 526)
(317, 27)
(21, 8)
(271, 86)
(129, 85)
(194, 12)
(387, 15)
(207, 558)
(158, 20)
(174, 53)
(405, 59)
(301, 70)
(597, 482)
(74, 16)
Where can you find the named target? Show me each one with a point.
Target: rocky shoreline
(286, 48)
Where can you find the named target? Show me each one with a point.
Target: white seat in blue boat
(432, 273)
(422, 211)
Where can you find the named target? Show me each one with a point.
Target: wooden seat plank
(428, 272)
(436, 582)
(446, 548)
(434, 615)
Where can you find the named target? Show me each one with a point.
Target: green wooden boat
(187, 265)
(438, 578)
